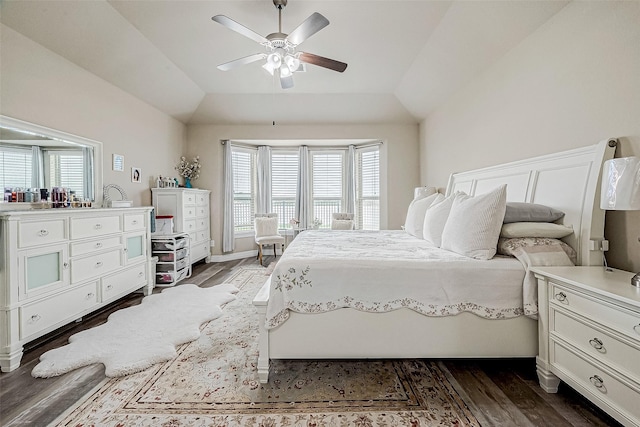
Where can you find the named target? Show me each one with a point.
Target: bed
(441, 321)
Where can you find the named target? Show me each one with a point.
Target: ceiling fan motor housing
(280, 3)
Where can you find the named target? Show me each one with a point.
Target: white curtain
(263, 202)
(87, 168)
(303, 188)
(350, 170)
(37, 167)
(228, 236)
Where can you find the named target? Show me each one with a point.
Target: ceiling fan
(281, 56)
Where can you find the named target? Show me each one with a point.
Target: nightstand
(589, 336)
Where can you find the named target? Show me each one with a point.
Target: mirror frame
(21, 125)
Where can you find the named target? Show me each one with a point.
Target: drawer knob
(98, 245)
(89, 296)
(34, 318)
(43, 233)
(561, 296)
(65, 265)
(98, 226)
(140, 274)
(109, 287)
(134, 222)
(597, 344)
(98, 264)
(598, 383)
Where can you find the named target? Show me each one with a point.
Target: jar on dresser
(589, 336)
(191, 214)
(57, 265)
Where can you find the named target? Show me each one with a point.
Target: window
(244, 188)
(15, 167)
(284, 180)
(65, 168)
(368, 188)
(327, 172)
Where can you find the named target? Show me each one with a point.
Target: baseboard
(240, 255)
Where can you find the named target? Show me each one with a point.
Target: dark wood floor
(499, 392)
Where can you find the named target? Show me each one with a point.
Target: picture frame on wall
(118, 162)
(136, 175)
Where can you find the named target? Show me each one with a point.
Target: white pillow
(474, 224)
(342, 224)
(435, 218)
(535, 229)
(415, 215)
(265, 226)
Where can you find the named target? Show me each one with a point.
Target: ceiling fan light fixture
(274, 60)
(269, 68)
(285, 72)
(292, 62)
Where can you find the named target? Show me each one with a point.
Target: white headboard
(568, 181)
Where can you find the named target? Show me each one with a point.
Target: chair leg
(260, 253)
(275, 254)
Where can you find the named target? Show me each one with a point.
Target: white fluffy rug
(137, 337)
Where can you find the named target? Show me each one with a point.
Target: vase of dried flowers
(190, 170)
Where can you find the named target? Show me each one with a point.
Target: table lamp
(621, 189)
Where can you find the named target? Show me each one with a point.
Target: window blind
(15, 167)
(244, 193)
(284, 176)
(327, 182)
(66, 169)
(368, 188)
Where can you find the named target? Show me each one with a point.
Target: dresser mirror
(34, 157)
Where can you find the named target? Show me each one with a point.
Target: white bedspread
(386, 270)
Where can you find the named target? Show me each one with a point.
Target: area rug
(213, 382)
(138, 337)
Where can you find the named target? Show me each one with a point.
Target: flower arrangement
(189, 170)
(317, 223)
(294, 222)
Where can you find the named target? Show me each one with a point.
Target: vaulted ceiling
(406, 57)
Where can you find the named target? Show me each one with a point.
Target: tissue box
(120, 203)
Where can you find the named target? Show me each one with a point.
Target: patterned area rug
(213, 382)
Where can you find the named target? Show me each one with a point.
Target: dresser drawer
(66, 306)
(189, 198)
(202, 223)
(199, 236)
(94, 226)
(202, 199)
(123, 282)
(86, 247)
(202, 211)
(134, 222)
(189, 226)
(612, 316)
(199, 251)
(95, 265)
(41, 232)
(598, 383)
(598, 344)
(189, 212)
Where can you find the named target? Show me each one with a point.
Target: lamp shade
(621, 184)
(421, 192)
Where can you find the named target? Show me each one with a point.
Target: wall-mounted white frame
(118, 162)
(21, 125)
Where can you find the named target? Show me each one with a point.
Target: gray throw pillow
(530, 212)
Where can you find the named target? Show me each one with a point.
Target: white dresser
(589, 336)
(57, 265)
(191, 214)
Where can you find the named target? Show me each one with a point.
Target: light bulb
(285, 72)
(274, 60)
(269, 68)
(292, 62)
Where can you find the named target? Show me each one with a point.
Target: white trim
(234, 255)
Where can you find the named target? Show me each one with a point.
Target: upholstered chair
(266, 233)
(342, 221)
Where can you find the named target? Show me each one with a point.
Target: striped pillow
(474, 224)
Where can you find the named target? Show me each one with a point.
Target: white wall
(572, 83)
(399, 172)
(39, 86)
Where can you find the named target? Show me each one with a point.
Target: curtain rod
(288, 147)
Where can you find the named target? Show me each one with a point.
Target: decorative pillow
(535, 229)
(342, 224)
(415, 215)
(530, 212)
(474, 224)
(509, 246)
(435, 218)
(266, 226)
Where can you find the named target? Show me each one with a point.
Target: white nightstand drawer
(598, 344)
(134, 222)
(596, 381)
(599, 311)
(41, 232)
(95, 226)
(95, 265)
(86, 247)
(46, 313)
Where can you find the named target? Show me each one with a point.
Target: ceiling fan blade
(286, 82)
(239, 28)
(309, 27)
(241, 61)
(321, 61)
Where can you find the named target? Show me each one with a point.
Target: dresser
(589, 336)
(191, 214)
(57, 265)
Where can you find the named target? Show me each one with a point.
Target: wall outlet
(212, 243)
